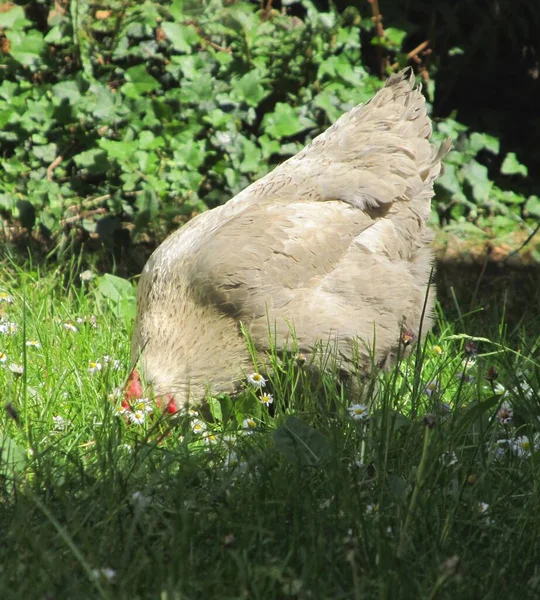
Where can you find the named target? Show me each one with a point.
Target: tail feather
(374, 155)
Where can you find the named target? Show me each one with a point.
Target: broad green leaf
(182, 37)
(249, 88)
(46, 153)
(12, 458)
(147, 208)
(94, 160)
(215, 409)
(477, 177)
(302, 444)
(328, 101)
(533, 206)
(251, 156)
(512, 166)
(284, 121)
(12, 17)
(480, 141)
(139, 82)
(395, 36)
(26, 48)
(115, 290)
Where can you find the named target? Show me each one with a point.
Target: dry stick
(413, 53)
(80, 216)
(205, 40)
(266, 10)
(52, 167)
(377, 20)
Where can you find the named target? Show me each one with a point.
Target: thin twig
(204, 39)
(84, 215)
(514, 252)
(265, 15)
(55, 163)
(377, 20)
(413, 53)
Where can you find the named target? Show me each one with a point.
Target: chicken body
(331, 245)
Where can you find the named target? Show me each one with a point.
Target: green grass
(310, 503)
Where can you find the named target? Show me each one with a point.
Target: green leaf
(251, 156)
(477, 177)
(26, 48)
(12, 457)
(117, 293)
(94, 160)
(147, 208)
(46, 153)
(139, 82)
(215, 409)
(328, 101)
(182, 37)
(13, 17)
(512, 166)
(249, 88)
(284, 122)
(532, 206)
(395, 36)
(302, 444)
(481, 141)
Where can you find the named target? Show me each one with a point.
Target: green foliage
(138, 116)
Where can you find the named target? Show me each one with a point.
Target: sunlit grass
(424, 486)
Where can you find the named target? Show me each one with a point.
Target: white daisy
(5, 297)
(59, 423)
(256, 380)
(3, 357)
(521, 446)
(505, 413)
(17, 370)
(94, 367)
(8, 328)
(198, 426)
(70, 327)
(359, 412)
(139, 500)
(437, 350)
(138, 417)
(104, 573)
(87, 275)
(249, 424)
(499, 389)
(266, 399)
(432, 387)
(33, 343)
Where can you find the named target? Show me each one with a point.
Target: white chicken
(331, 245)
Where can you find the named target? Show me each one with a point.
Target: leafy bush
(120, 123)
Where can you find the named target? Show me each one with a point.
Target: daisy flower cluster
(257, 381)
(137, 411)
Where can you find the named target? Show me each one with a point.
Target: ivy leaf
(46, 153)
(182, 37)
(285, 122)
(302, 444)
(94, 160)
(147, 208)
(477, 177)
(249, 89)
(12, 17)
(481, 141)
(512, 166)
(26, 48)
(139, 82)
(532, 206)
(395, 36)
